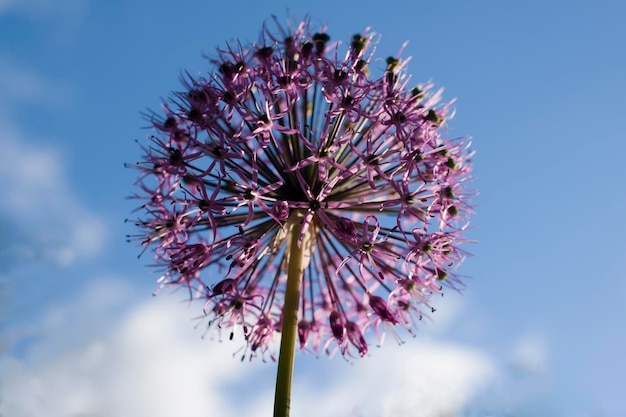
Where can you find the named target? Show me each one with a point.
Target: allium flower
(294, 143)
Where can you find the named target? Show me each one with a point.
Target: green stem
(284, 376)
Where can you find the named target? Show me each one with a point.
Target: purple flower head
(299, 133)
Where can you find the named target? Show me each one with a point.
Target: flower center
(249, 194)
(314, 205)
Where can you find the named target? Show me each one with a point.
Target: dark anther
(448, 193)
(228, 97)
(170, 123)
(399, 117)
(307, 48)
(441, 275)
(227, 69)
(361, 65)
(433, 117)
(453, 211)
(179, 135)
(392, 64)
(320, 40)
(204, 205)
(249, 194)
(218, 151)
(264, 52)
(416, 92)
(372, 160)
(321, 37)
(347, 100)
(450, 163)
(291, 65)
(194, 115)
(391, 77)
(358, 43)
(176, 157)
(340, 75)
(197, 96)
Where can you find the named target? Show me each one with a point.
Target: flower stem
(282, 399)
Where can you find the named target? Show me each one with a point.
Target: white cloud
(47, 221)
(423, 378)
(21, 85)
(38, 201)
(150, 361)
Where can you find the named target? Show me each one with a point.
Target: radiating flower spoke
(295, 133)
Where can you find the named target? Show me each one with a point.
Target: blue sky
(539, 330)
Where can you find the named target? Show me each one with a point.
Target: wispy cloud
(21, 85)
(150, 361)
(18, 84)
(38, 202)
(424, 378)
(44, 9)
(44, 218)
(530, 354)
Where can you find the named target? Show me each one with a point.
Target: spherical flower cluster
(297, 133)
